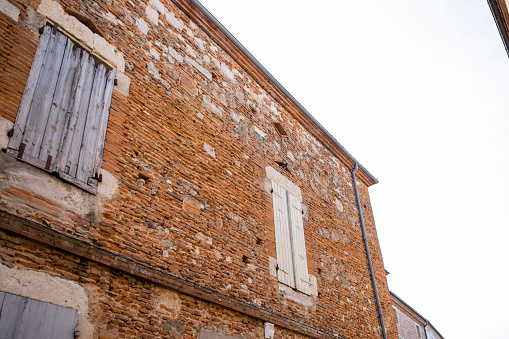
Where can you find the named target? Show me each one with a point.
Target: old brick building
(156, 181)
(412, 325)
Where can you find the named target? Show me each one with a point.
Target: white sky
(417, 92)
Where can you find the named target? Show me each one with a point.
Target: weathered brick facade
(179, 240)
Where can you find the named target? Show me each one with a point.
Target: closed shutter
(26, 318)
(300, 262)
(285, 272)
(61, 122)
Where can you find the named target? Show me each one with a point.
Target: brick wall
(185, 191)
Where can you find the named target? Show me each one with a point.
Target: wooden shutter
(62, 119)
(285, 272)
(26, 318)
(300, 262)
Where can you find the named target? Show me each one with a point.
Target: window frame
(63, 115)
(291, 269)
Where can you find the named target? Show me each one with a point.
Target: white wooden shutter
(285, 272)
(62, 119)
(300, 263)
(33, 113)
(26, 318)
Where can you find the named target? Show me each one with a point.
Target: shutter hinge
(11, 132)
(271, 190)
(98, 177)
(55, 29)
(76, 331)
(280, 269)
(48, 163)
(21, 150)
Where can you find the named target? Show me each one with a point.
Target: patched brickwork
(188, 150)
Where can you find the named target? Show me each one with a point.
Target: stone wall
(189, 143)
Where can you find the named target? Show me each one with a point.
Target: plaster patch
(225, 70)
(158, 6)
(207, 103)
(5, 127)
(111, 18)
(29, 178)
(284, 182)
(34, 21)
(210, 150)
(44, 287)
(123, 83)
(94, 43)
(142, 26)
(152, 14)
(260, 132)
(167, 302)
(179, 26)
(339, 205)
(9, 9)
(152, 69)
(154, 53)
(272, 266)
(297, 296)
(200, 44)
(175, 55)
(200, 68)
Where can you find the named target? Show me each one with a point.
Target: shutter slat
(23, 319)
(65, 321)
(28, 94)
(43, 96)
(35, 316)
(57, 116)
(92, 126)
(298, 245)
(283, 244)
(103, 122)
(9, 314)
(69, 153)
(49, 318)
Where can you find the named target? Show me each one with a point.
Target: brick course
(189, 154)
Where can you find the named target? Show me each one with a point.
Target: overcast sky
(417, 92)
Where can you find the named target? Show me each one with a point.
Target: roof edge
(417, 313)
(316, 130)
(498, 15)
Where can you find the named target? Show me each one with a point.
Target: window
(61, 122)
(280, 129)
(292, 268)
(418, 331)
(23, 317)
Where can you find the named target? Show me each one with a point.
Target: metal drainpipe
(370, 264)
(426, 333)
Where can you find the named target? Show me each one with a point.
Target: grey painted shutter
(300, 263)
(285, 273)
(62, 119)
(26, 318)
